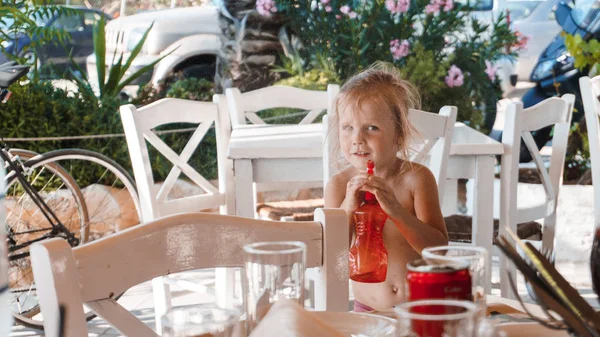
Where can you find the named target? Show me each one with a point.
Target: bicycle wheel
(25, 223)
(109, 195)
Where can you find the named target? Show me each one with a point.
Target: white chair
(518, 125)
(94, 273)
(590, 90)
(291, 139)
(244, 106)
(139, 126)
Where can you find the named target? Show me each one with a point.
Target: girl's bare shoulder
(342, 178)
(414, 174)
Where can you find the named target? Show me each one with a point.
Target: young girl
(371, 123)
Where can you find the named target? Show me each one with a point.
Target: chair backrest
(518, 125)
(140, 125)
(590, 90)
(244, 106)
(94, 273)
(431, 145)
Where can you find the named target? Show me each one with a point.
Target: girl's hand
(353, 188)
(384, 194)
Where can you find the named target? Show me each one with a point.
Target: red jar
(424, 281)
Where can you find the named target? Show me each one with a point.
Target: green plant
(437, 38)
(585, 53)
(23, 19)
(117, 78)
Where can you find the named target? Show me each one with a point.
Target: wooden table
(294, 153)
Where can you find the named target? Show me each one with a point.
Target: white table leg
(449, 199)
(483, 208)
(244, 191)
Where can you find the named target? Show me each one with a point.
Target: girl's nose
(358, 138)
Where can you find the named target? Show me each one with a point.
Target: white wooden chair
(518, 125)
(139, 126)
(94, 273)
(244, 106)
(430, 147)
(590, 90)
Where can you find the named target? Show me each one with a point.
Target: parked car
(81, 44)
(191, 34)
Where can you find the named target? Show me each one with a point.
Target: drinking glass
(274, 270)
(436, 318)
(200, 321)
(478, 260)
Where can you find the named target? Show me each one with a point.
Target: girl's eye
(346, 127)
(372, 128)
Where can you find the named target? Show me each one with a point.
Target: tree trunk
(246, 64)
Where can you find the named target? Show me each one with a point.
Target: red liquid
(436, 282)
(368, 256)
(595, 263)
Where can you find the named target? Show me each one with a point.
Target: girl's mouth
(362, 154)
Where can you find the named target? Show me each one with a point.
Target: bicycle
(75, 194)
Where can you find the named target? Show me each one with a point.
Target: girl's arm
(342, 194)
(427, 228)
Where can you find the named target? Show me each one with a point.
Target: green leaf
(100, 52)
(136, 50)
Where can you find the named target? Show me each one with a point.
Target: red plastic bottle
(368, 256)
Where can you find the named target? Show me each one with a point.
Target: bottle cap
(370, 170)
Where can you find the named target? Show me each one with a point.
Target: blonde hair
(383, 84)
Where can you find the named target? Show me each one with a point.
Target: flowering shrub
(353, 34)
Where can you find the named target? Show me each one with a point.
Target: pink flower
(352, 15)
(399, 49)
(328, 9)
(337, 16)
(266, 7)
(455, 77)
(325, 2)
(448, 5)
(397, 6)
(432, 8)
(435, 6)
(490, 70)
(345, 9)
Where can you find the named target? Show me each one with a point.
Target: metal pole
(123, 5)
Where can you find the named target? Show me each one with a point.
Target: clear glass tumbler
(478, 260)
(274, 270)
(435, 318)
(200, 321)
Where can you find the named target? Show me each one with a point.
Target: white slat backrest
(518, 125)
(139, 125)
(95, 272)
(435, 132)
(590, 91)
(245, 105)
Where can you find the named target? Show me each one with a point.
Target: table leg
(482, 203)
(244, 192)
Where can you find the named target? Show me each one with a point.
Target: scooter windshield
(586, 15)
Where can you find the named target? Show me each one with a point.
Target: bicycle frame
(58, 227)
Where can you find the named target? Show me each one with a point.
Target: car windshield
(521, 9)
(479, 5)
(586, 14)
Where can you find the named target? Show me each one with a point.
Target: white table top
(306, 141)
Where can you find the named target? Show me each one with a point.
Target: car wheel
(205, 71)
